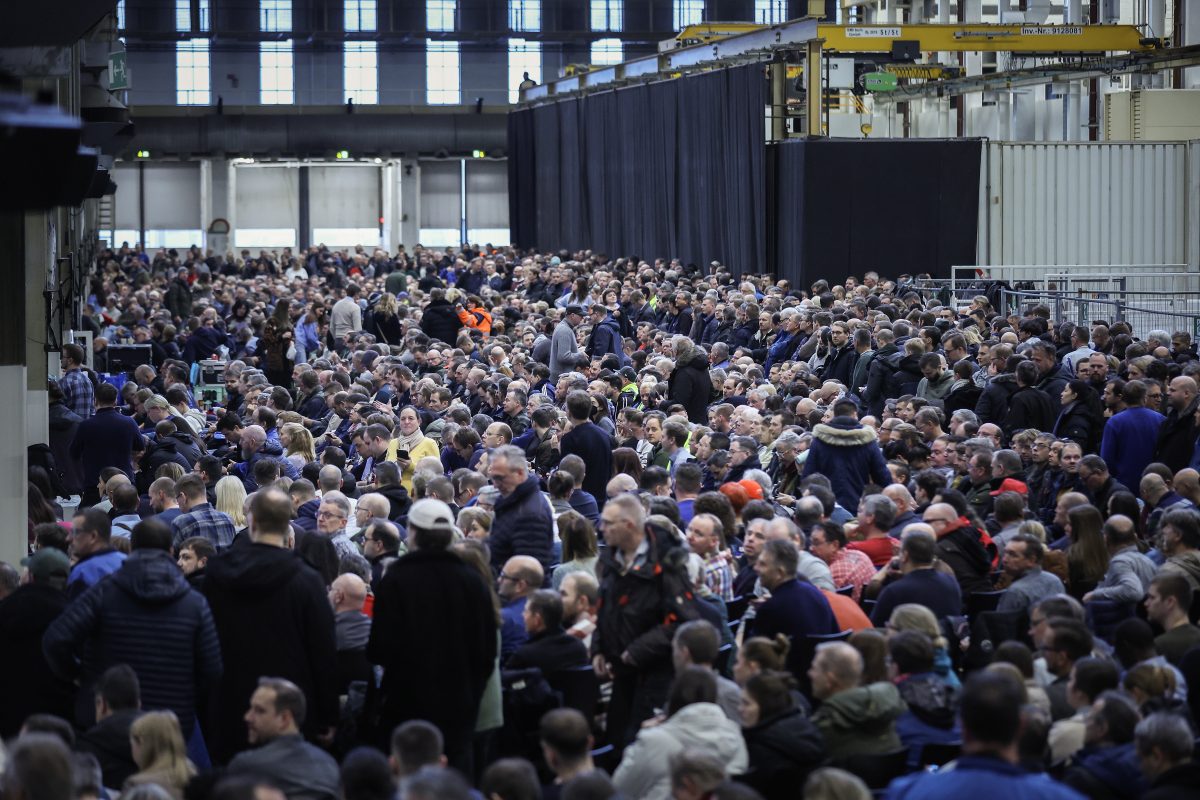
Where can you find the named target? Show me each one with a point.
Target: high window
(607, 51)
(523, 57)
(439, 15)
(192, 73)
(688, 12)
(525, 15)
(276, 68)
(441, 73)
(275, 16)
(770, 12)
(361, 16)
(361, 72)
(608, 15)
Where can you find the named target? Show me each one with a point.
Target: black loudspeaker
(906, 50)
(39, 145)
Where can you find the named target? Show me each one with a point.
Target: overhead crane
(709, 45)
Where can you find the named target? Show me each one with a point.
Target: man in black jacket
(588, 441)
(523, 525)
(273, 618)
(147, 616)
(27, 686)
(1177, 436)
(439, 320)
(118, 704)
(435, 635)
(644, 596)
(549, 647)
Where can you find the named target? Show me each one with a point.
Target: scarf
(410, 443)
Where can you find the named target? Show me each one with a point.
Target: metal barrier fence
(1144, 312)
(1047, 277)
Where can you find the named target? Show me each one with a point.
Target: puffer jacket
(26, 685)
(1107, 773)
(147, 616)
(645, 769)
(879, 374)
(848, 454)
(861, 721)
(782, 751)
(523, 526)
(931, 717)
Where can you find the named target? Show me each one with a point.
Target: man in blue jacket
(848, 454)
(107, 439)
(606, 334)
(988, 769)
(1130, 435)
(91, 535)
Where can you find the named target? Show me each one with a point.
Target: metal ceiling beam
(760, 43)
(1171, 58)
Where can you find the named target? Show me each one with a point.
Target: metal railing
(1143, 312)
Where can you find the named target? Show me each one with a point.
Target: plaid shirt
(204, 520)
(718, 575)
(77, 392)
(852, 567)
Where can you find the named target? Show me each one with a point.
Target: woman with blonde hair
(231, 498)
(158, 749)
(298, 444)
(916, 617)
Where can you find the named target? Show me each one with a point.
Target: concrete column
(1191, 36)
(410, 203)
(216, 175)
(390, 207)
(14, 346)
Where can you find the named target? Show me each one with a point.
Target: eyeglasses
(327, 514)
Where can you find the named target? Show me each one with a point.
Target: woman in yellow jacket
(410, 438)
(475, 316)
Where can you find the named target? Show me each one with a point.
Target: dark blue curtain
(672, 169)
(844, 207)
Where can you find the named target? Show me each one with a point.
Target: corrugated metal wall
(1088, 203)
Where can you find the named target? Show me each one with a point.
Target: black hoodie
(272, 618)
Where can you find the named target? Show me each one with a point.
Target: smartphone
(403, 454)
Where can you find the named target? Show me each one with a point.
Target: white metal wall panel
(173, 195)
(267, 197)
(441, 194)
(344, 197)
(1085, 203)
(487, 194)
(125, 175)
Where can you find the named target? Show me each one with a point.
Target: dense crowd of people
(476, 522)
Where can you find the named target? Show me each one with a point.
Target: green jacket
(861, 720)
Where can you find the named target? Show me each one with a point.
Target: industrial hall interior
(588, 399)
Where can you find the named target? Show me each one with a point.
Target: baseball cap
(1010, 485)
(575, 309)
(431, 515)
(47, 563)
(753, 488)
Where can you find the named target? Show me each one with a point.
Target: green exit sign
(118, 72)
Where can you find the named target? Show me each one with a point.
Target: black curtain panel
(522, 200)
(671, 169)
(843, 207)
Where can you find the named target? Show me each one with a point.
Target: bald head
(899, 495)
(375, 505)
(1152, 487)
(1187, 483)
(348, 593)
(1181, 392)
(329, 479)
(620, 484)
(521, 577)
(940, 511)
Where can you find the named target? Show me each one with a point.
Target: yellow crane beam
(954, 38)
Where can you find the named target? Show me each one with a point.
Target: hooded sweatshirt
(861, 720)
(931, 716)
(1186, 564)
(645, 769)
